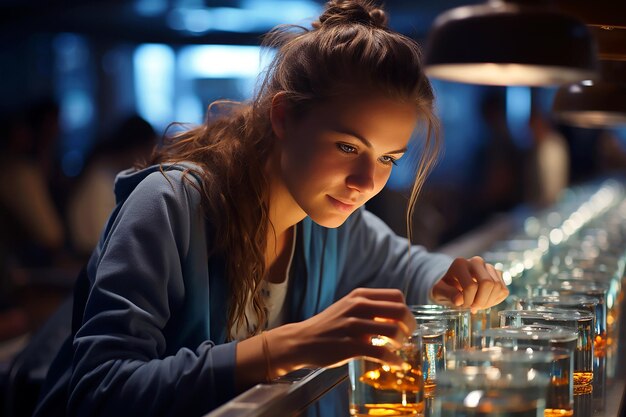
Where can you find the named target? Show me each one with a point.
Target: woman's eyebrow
(366, 142)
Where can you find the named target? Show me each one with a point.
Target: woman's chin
(330, 221)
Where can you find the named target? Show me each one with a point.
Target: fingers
(461, 272)
(386, 311)
(382, 354)
(380, 294)
(365, 329)
(446, 294)
(379, 354)
(486, 284)
(480, 284)
(503, 290)
(382, 304)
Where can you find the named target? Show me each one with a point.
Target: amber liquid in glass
(429, 388)
(559, 398)
(390, 410)
(383, 390)
(557, 412)
(385, 378)
(582, 378)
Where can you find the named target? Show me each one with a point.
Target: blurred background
(87, 87)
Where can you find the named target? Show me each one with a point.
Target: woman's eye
(346, 148)
(388, 160)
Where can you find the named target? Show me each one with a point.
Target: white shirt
(274, 297)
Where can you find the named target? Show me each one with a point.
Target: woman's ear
(278, 114)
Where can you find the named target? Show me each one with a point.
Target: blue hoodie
(152, 339)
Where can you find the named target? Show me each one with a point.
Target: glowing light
(154, 82)
(473, 399)
(150, 7)
(378, 341)
(251, 16)
(575, 88)
(222, 61)
(76, 109)
(568, 228)
(556, 236)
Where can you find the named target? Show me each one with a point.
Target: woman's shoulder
(159, 180)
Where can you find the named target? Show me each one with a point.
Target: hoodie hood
(127, 180)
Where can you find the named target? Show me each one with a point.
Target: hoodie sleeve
(120, 365)
(374, 256)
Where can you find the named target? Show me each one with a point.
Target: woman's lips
(341, 206)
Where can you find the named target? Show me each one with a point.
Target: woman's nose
(362, 177)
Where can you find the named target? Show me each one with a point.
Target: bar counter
(325, 392)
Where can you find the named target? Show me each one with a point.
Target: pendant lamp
(594, 103)
(512, 42)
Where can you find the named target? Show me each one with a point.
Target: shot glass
(549, 361)
(457, 322)
(383, 389)
(598, 290)
(575, 302)
(581, 321)
(562, 342)
(487, 391)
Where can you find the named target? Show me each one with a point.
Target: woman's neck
(284, 213)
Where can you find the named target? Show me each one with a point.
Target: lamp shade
(591, 104)
(510, 43)
(594, 103)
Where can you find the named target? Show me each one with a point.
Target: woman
(241, 253)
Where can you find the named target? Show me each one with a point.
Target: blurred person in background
(502, 160)
(612, 153)
(29, 214)
(548, 162)
(32, 231)
(593, 153)
(93, 200)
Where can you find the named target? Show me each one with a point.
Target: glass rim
(532, 332)
(502, 353)
(433, 318)
(556, 313)
(564, 299)
(437, 309)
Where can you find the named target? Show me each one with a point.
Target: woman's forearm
(260, 360)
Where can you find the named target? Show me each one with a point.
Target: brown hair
(348, 49)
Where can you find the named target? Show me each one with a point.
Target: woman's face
(340, 153)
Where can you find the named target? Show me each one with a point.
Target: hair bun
(340, 12)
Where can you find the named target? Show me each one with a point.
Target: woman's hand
(341, 332)
(344, 330)
(470, 283)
